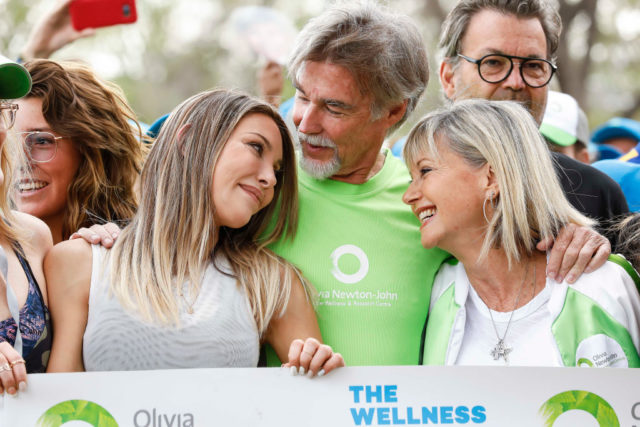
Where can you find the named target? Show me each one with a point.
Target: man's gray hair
(381, 49)
(455, 25)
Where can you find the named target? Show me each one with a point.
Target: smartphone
(101, 13)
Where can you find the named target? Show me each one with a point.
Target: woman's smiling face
(245, 174)
(43, 192)
(446, 194)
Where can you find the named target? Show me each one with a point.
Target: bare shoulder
(68, 259)
(72, 253)
(37, 232)
(67, 268)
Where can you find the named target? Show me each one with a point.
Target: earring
(484, 206)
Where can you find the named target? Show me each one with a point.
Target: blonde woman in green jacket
(485, 190)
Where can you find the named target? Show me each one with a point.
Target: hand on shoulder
(103, 234)
(576, 249)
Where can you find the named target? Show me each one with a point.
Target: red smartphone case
(102, 13)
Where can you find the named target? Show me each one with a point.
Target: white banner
(347, 397)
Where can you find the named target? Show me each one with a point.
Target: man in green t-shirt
(359, 71)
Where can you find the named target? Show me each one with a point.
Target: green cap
(564, 122)
(15, 81)
(557, 135)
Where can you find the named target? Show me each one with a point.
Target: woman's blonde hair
(531, 204)
(95, 116)
(171, 238)
(12, 154)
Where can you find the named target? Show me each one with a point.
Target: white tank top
(221, 332)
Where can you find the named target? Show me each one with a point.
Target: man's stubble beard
(315, 168)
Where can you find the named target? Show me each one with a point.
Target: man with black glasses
(505, 50)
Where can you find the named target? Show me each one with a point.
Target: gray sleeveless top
(221, 332)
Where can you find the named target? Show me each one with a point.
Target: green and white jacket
(595, 322)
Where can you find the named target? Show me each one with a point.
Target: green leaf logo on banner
(77, 410)
(582, 400)
(584, 361)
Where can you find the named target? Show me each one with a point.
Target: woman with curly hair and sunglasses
(84, 154)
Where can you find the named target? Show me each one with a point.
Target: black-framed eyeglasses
(41, 147)
(495, 68)
(8, 114)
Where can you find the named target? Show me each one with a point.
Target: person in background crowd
(625, 170)
(52, 32)
(565, 127)
(24, 241)
(270, 79)
(484, 190)
(188, 284)
(84, 156)
(620, 134)
(505, 50)
(627, 174)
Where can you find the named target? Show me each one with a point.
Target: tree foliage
(175, 50)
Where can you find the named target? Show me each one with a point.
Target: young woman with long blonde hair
(189, 283)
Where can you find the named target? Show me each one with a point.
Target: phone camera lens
(126, 9)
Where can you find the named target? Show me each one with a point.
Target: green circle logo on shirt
(77, 410)
(582, 400)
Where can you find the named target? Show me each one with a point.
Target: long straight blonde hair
(171, 238)
(12, 155)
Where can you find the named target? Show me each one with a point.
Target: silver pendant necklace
(500, 350)
(188, 304)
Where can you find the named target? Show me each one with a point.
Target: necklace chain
(500, 350)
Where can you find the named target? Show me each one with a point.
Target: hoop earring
(484, 206)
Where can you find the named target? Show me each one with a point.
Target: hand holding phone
(102, 13)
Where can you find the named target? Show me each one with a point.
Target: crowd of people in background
(237, 234)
